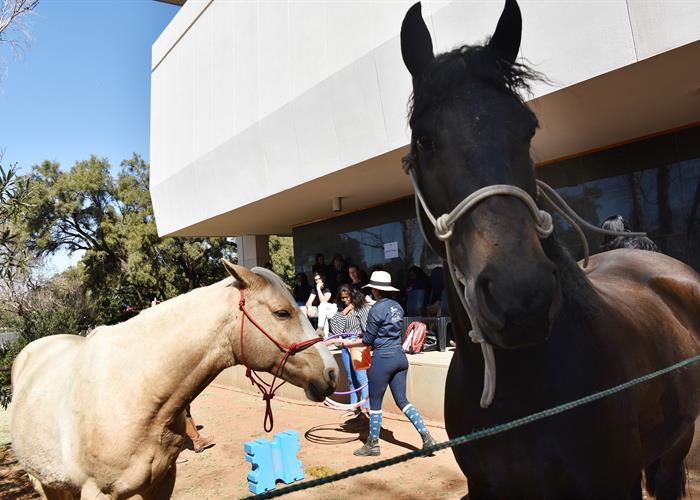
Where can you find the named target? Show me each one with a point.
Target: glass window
(654, 184)
(388, 237)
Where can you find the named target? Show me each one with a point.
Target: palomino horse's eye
(425, 144)
(283, 314)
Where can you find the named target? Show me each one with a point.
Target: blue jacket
(384, 325)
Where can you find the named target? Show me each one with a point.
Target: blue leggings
(389, 368)
(356, 378)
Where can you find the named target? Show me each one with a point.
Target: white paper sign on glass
(391, 250)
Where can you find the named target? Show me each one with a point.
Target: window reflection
(658, 194)
(363, 243)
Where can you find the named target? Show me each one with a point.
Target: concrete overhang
(657, 94)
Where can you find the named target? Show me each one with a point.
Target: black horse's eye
(283, 314)
(425, 144)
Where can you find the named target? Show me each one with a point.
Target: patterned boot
(371, 447)
(412, 413)
(428, 441)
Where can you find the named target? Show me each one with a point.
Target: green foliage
(8, 353)
(282, 257)
(14, 200)
(59, 306)
(126, 264)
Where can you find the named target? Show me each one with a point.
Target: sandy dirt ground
(327, 443)
(326, 446)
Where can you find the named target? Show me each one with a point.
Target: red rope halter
(268, 390)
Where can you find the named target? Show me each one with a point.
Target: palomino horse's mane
(156, 313)
(275, 281)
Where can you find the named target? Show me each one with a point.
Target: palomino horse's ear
(506, 39)
(416, 44)
(245, 277)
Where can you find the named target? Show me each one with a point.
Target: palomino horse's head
(272, 307)
(471, 129)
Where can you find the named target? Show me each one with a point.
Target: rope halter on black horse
(444, 226)
(268, 390)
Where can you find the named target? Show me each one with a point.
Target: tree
(126, 264)
(14, 199)
(281, 250)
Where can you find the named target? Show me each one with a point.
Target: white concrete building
(283, 117)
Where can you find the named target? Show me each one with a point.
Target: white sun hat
(381, 280)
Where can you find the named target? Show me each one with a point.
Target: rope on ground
(473, 436)
(386, 416)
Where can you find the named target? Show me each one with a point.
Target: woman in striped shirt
(352, 318)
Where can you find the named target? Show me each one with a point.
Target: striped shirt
(354, 322)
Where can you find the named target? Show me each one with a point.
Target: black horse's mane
(451, 70)
(446, 76)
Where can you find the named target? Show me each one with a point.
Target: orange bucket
(361, 357)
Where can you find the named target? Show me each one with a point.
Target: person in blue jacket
(389, 363)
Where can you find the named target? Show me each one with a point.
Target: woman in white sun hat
(389, 363)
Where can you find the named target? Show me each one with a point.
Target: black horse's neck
(578, 297)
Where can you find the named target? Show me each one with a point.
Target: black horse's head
(471, 129)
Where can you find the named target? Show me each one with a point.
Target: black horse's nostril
(490, 309)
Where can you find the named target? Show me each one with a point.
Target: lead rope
(444, 225)
(268, 390)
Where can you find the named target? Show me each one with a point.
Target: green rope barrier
(473, 436)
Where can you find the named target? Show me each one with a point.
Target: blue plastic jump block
(273, 460)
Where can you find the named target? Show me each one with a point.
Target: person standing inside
(389, 363)
(356, 279)
(302, 289)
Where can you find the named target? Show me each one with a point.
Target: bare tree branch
(13, 20)
(14, 26)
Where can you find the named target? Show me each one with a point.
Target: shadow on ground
(14, 482)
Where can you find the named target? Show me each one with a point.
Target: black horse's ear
(416, 44)
(506, 39)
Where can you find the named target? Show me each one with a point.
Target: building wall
(250, 99)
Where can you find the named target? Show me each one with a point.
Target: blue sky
(82, 86)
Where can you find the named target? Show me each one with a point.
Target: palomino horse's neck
(184, 344)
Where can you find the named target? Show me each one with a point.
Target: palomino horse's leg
(48, 493)
(161, 491)
(165, 489)
(37, 486)
(666, 477)
(91, 491)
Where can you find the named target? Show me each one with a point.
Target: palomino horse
(555, 332)
(102, 416)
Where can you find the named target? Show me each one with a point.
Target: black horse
(558, 332)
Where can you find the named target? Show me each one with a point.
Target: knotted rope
(268, 390)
